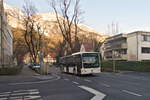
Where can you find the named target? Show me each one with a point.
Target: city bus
(81, 63)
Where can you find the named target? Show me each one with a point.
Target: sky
(130, 15)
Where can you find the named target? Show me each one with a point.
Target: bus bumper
(90, 70)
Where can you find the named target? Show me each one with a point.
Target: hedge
(10, 70)
(139, 66)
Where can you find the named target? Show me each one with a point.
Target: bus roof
(83, 53)
(77, 54)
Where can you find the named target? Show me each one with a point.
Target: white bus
(81, 63)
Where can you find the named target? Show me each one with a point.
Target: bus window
(90, 60)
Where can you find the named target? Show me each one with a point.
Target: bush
(140, 66)
(10, 70)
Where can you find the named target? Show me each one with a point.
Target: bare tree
(33, 31)
(68, 14)
(19, 46)
(92, 40)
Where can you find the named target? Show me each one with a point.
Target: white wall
(135, 43)
(143, 56)
(132, 47)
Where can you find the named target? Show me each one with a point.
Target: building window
(146, 38)
(124, 51)
(145, 50)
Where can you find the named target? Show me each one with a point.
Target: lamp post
(114, 62)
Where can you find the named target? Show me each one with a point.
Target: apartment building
(6, 39)
(133, 46)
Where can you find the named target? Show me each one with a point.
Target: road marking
(31, 97)
(98, 95)
(16, 94)
(4, 95)
(129, 92)
(21, 95)
(38, 82)
(3, 98)
(106, 85)
(19, 91)
(87, 80)
(66, 79)
(34, 92)
(16, 98)
(43, 77)
(75, 82)
(31, 90)
(25, 93)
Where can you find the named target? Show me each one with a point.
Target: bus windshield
(90, 60)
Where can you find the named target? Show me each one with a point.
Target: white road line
(38, 82)
(132, 93)
(21, 95)
(75, 82)
(66, 79)
(98, 95)
(87, 80)
(19, 91)
(16, 98)
(43, 77)
(31, 90)
(106, 85)
(3, 98)
(17, 94)
(31, 93)
(31, 97)
(4, 95)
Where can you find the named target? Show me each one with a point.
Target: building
(50, 59)
(6, 39)
(133, 46)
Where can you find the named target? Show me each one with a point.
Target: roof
(116, 37)
(138, 32)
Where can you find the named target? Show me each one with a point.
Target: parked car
(35, 66)
(30, 65)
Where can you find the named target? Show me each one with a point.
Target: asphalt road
(61, 86)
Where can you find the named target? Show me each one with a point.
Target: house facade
(6, 39)
(133, 46)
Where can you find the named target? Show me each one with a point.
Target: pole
(1, 8)
(114, 63)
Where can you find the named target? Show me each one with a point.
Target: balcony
(124, 45)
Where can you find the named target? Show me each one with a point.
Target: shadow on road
(84, 76)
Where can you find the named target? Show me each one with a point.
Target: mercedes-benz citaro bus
(81, 63)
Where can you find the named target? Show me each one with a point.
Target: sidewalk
(26, 71)
(54, 70)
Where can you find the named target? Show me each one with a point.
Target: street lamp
(114, 54)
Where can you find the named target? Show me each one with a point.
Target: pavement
(61, 86)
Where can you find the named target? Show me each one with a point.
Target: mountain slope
(48, 22)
